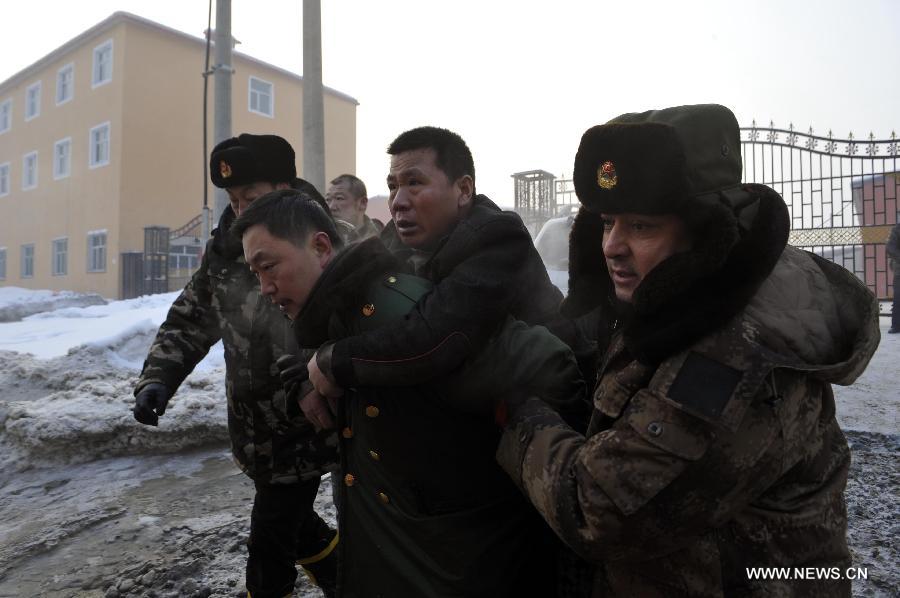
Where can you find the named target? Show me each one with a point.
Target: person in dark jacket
(484, 268)
(272, 442)
(893, 251)
(481, 260)
(424, 509)
(713, 450)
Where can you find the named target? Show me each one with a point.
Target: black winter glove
(150, 403)
(293, 372)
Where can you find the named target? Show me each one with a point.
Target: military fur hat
(654, 162)
(252, 158)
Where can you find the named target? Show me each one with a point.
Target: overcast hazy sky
(522, 80)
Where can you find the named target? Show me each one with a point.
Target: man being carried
(481, 260)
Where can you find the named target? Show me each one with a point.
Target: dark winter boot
(321, 568)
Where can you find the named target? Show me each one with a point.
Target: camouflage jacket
(725, 456)
(271, 440)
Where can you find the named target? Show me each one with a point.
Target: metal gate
(841, 194)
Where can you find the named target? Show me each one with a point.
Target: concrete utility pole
(313, 105)
(222, 107)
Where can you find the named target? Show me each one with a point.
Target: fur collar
(689, 294)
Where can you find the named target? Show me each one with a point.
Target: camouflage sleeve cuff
(143, 383)
(523, 420)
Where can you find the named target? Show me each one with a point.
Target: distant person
(272, 442)
(424, 509)
(713, 448)
(347, 200)
(893, 251)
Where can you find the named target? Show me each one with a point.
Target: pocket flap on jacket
(662, 424)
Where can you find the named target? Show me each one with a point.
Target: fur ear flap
(715, 295)
(589, 282)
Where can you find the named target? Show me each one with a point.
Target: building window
(29, 171)
(2, 263)
(184, 256)
(62, 158)
(33, 101)
(27, 266)
(4, 179)
(96, 244)
(65, 78)
(60, 257)
(262, 98)
(99, 150)
(103, 56)
(6, 116)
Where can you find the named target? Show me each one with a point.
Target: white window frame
(6, 121)
(34, 87)
(4, 177)
(95, 74)
(103, 162)
(3, 255)
(26, 186)
(250, 92)
(59, 173)
(91, 248)
(57, 268)
(22, 260)
(70, 69)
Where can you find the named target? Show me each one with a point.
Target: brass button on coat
(372, 411)
(368, 309)
(347, 433)
(392, 279)
(349, 480)
(375, 456)
(384, 497)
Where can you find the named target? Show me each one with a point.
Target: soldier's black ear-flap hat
(653, 162)
(684, 161)
(250, 158)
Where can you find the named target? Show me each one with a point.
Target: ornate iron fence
(842, 194)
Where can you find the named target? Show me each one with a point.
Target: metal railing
(842, 194)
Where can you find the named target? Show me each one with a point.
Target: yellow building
(103, 137)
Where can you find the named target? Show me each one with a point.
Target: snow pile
(66, 387)
(18, 303)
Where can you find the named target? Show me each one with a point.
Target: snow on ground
(872, 403)
(66, 382)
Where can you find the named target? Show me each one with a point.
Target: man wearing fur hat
(274, 444)
(713, 447)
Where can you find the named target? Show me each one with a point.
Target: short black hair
(452, 155)
(288, 214)
(357, 187)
